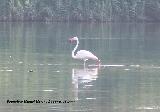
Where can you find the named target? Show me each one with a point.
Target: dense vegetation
(80, 10)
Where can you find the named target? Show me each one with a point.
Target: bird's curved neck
(73, 52)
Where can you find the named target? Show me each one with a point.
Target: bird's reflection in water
(83, 78)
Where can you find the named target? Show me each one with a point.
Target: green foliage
(80, 10)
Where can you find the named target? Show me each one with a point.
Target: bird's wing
(83, 54)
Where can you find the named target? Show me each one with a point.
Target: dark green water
(36, 64)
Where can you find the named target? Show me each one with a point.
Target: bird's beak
(70, 40)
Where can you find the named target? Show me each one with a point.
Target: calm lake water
(36, 65)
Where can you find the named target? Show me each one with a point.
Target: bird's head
(73, 39)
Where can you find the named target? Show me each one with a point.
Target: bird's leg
(98, 63)
(85, 63)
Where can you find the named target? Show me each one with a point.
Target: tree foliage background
(80, 10)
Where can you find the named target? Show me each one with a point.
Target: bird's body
(82, 54)
(85, 55)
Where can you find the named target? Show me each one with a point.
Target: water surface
(36, 64)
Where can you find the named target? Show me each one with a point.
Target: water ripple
(148, 108)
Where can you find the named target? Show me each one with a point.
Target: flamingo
(82, 54)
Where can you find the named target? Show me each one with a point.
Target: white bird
(82, 54)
